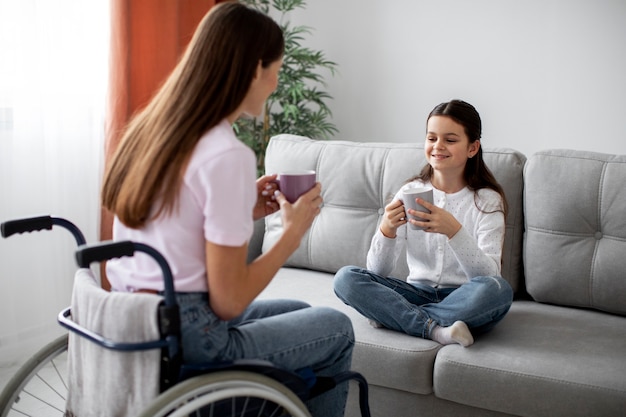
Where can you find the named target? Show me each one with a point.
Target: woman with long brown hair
(183, 183)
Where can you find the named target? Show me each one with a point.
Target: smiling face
(447, 147)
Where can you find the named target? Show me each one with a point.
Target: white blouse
(433, 259)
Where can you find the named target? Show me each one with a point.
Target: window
(53, 83)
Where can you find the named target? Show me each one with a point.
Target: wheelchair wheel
(39, 387)
(228, 394)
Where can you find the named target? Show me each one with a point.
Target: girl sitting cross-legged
(454, 289)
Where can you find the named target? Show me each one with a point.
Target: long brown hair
(476, 174)
(208, 84)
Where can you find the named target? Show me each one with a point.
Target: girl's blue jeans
(288, 333)
(417, 309)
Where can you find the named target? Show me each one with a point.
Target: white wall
(542, 73)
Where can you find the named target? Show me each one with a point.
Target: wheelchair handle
(99, 252)
(35, 224)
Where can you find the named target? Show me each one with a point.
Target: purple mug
(295, 183)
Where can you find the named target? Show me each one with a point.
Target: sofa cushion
(541, 360)
(358, 180)
(575, 207)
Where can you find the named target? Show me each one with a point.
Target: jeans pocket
(204, 335)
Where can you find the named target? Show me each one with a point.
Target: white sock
(457, 333)
(375, 324)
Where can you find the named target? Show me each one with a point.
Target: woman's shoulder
(219, 148)
(221, 137)
(219, 140)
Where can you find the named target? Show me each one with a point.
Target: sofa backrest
(358, 180)
(575, 240)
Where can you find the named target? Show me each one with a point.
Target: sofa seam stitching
(434, 348)
(603, 158)
(571, 234)
(380, 181)
(592, 267)
(519, 220)
(309, 245)
(536, 377)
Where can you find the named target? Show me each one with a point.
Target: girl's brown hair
(477, 175)
(208, 84)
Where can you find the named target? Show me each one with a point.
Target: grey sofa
(560, 351)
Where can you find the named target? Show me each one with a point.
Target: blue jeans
(288, 333)
(417, 309)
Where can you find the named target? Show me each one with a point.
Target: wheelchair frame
(183, 388)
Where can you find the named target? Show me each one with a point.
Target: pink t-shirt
(215, 204)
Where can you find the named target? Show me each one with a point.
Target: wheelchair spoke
(60, 376)
(39, 410)
(228, 393)
(39, 387)
(49, 385)
(277, 412)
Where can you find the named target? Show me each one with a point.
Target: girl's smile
(447, 149)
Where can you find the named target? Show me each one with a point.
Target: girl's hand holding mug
(437, 221)
(393, 218)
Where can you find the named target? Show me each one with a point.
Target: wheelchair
(235, 389)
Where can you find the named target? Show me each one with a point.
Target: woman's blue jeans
(288, 333)
(417, 309)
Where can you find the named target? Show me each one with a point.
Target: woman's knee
(293, 305)
(266, 308)
(336, 320)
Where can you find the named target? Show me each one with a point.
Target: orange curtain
(147, 39)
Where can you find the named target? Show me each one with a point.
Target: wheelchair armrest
(65, 321)
(103, 251)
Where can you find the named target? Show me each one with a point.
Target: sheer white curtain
(53, 80)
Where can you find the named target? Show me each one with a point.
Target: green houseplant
(298, 106)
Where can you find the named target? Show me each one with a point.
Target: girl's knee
(496, 287)
(504, 287)
(344, 278)
(346, 272)
(495, 282)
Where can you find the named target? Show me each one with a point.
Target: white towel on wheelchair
(110, 383)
